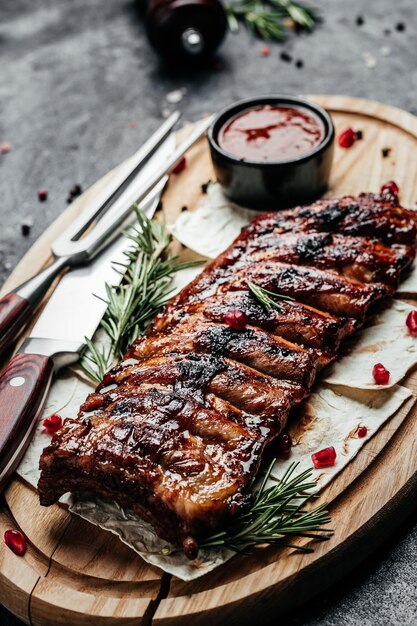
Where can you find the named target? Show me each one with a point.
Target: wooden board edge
(370, 108)
(53, 230)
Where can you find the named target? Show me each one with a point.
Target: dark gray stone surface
(74, 74)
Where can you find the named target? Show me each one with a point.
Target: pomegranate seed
(381, 374)
(52, 423)
(411, 322)
(16, 541)
(283, 446)
(42, 195)
(390, 191)
(347, 138)
(362, 431)
(180, 167)
(390, 188)
(236, 320)
(324, 458)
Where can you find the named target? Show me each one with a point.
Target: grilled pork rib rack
(178, 428)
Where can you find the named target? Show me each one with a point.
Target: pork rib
(178, 428)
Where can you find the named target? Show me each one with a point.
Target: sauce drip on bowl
(271, 133)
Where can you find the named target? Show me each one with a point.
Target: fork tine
(103, 200)
(135, 192)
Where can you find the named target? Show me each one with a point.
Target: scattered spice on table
(132, 124)
(284, 56)
(387, 32)
(370, 61)
(360, 21)
(299, 64)
(400, 27)
(42, 195)
(205, 186)
(25, 228)
(175, 96)
(5, 147)
(386, 152)
(385, 51)
(265, 51)
(74, 192)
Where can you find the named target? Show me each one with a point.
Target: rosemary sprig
(267, 18)
(276, 512)
(133, 303)
(266, 297)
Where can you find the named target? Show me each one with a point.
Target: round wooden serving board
(74, 573)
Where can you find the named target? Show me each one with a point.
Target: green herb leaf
(266, 18)
(267, 298)
(144, 290)
(277, 512)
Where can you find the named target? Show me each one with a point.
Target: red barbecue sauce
(271, 133)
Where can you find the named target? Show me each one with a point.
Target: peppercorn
(25, 229)
(284, 56)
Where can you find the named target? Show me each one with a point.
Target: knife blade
(72, 313)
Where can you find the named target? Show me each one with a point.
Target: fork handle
(16, 306)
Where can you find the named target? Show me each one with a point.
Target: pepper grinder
(186, 30)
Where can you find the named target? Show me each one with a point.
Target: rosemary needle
(267, 298)
(267, 18)
(275, 513)
(145, 288)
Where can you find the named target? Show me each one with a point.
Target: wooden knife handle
(24, 384)
(13, 311)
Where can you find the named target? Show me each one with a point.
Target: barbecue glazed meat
(178, 428)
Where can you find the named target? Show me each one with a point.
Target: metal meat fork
(101, 222)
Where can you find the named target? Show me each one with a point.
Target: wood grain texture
(12, 314)
(77, 574)
(24, 383)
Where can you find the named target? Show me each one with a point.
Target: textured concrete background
(75, 74)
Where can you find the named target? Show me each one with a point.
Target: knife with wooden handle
(72, 313)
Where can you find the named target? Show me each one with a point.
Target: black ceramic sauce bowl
(273, 185)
